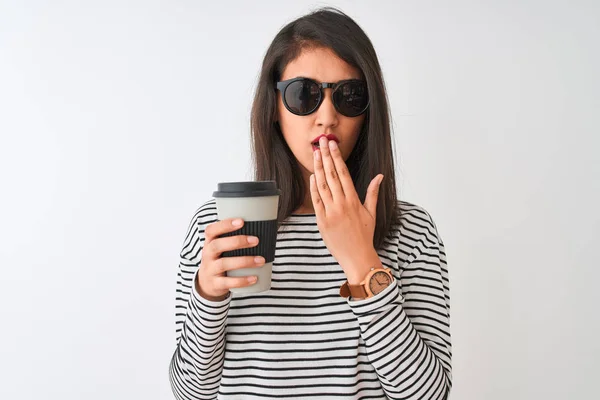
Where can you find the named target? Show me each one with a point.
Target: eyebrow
(318, 81)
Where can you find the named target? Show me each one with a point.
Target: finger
(229, 282)
(219, 228)
(220, 245)
(224, 264)
(342, 170)
(316, 198)
(321, 181)
(372, 195)
(333, 181)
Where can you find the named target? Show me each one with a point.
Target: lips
(315, 142)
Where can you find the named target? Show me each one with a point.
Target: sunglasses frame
(283, 85)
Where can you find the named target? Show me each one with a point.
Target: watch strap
(356, 291)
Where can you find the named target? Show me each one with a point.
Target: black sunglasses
(303, 96)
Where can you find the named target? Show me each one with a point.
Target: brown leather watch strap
(356, 291)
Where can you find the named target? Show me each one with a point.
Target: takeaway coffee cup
(256, 202)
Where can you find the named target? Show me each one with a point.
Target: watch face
(379, 281)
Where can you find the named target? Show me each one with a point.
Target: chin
(310, 168)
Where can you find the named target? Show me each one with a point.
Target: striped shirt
(301, 339)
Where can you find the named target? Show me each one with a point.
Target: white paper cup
(256, 202)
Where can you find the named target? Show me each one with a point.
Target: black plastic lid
(247, 189)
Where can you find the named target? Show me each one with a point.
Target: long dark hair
(373, 154)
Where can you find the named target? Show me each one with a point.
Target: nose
(326, 114)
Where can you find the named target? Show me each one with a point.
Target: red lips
(315, 142)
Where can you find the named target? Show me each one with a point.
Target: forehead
(320, 64)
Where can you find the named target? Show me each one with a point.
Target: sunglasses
(303, 96)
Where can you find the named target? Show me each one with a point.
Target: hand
(346, 225)
(212, 282)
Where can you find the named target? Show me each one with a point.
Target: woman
(359, 304)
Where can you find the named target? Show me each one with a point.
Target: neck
(307, 205)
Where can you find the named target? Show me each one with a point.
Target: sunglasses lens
(351, 98)
(302, 96)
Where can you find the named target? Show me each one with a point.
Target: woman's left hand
(346, 225)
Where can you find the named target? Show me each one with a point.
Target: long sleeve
(406, 328)
(197, 363)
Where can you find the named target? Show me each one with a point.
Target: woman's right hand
(212, 282)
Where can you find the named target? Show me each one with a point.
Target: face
(299, 132)
(379, 282)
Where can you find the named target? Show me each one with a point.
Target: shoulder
(193, 242)
(205, 214)
(416, 225)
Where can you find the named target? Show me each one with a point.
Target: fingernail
(252, 279)
(259, 260)
(318, 154)
(333, 145)
(237, 222)
(252, 239)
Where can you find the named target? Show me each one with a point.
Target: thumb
(372, 195)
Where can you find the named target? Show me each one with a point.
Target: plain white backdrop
(117, 118)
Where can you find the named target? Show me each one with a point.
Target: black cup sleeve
(266, 231)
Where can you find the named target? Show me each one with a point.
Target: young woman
(359, 304)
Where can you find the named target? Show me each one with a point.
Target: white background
(117, 118)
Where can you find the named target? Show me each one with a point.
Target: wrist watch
(376, 281)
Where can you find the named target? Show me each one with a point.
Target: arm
(197, 363)
(406, 328)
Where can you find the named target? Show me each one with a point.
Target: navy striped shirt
(301, 339)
